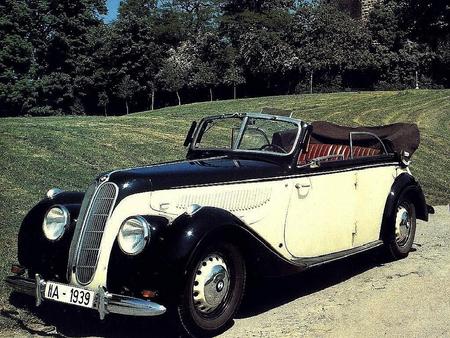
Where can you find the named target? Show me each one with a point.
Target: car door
(321, 215)
(373, 187)
(373, 183)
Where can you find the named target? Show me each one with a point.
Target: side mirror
(190, 134)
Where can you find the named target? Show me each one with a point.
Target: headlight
(55, 222)
(134, 235)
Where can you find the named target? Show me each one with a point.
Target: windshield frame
(245, 117)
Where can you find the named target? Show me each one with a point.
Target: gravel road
(358, 296)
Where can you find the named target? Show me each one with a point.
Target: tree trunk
(210, 94)
(126, 105)
(106, 113)
(234, 91)
(153, 99)
(179, 98)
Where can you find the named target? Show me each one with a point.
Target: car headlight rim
(134, 235)
(54, 225)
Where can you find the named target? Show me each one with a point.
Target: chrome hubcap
(211, 283)
(402, 225)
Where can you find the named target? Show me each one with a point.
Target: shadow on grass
(263, 295)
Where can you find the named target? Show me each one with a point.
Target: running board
(315, 261)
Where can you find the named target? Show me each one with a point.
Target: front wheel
(401, 234)
(214, 290)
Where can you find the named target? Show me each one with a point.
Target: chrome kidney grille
(93, 226)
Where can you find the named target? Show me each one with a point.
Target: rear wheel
(214, 290)
(401, 234)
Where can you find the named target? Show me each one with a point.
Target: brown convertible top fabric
(397, 137)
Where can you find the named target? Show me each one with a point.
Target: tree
(177, 69)
(397, 56)
(16, 64)
(234, 74)
(231, 7)
(204, 75)
(331, 44)
(199, 15)
(135, 49)
(442, 65)
(44, 44)
(103, 101)
(207, 56)
(425, 21)
(59, 57)
(266, 54)
(61, 36)
(151, 86)
(125, 90)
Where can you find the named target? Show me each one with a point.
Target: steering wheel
(274, 147)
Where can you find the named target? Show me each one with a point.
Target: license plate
(69, 294)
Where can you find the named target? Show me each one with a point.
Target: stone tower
(359, 9)
(366, 7)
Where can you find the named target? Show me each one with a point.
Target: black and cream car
(257, 193)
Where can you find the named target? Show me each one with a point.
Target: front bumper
(104, 303)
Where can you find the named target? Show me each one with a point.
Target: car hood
(193, 173)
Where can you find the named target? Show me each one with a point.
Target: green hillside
(67, 152)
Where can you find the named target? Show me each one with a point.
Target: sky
(113, 6)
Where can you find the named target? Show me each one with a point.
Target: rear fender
(405, 185)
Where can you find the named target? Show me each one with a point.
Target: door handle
(303, 187)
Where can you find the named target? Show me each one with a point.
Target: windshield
(248, 133)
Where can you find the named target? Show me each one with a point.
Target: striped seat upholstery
(319, 150)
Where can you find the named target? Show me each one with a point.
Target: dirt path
(359, 296)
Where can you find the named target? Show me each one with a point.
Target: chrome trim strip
(288, 177)
(315, 162)
(40, 289)
(316, 261)
(53, 192)
(131, 306)
(104, 303)
(101, 302)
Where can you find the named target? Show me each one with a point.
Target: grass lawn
(67, 152)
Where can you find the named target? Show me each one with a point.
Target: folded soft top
(397, 137)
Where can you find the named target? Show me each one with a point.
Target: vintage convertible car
(257, 193)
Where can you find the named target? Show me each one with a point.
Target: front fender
(35, 252)
(187, 234)
(164, 265)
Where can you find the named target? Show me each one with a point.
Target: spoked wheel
(402, 236)
(216, 281)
